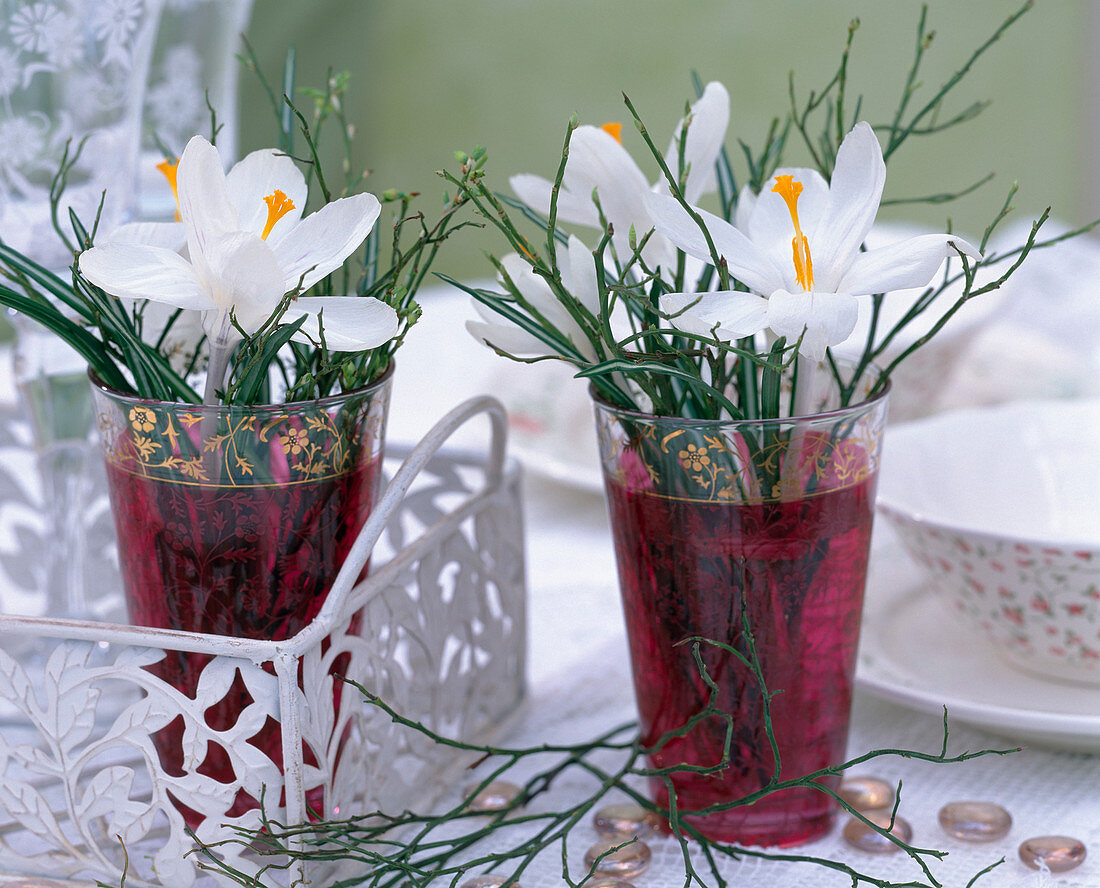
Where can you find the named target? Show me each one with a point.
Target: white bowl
(1001, 507)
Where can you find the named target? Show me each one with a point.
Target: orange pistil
(789, 189)
(615, 130)
(278, 205)
(169, 168)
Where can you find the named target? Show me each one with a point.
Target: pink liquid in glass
(686, 568)
(252, 562)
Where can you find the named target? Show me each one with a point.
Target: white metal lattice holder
(442, 640)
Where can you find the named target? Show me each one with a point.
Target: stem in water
(807, 375)
(221, 348)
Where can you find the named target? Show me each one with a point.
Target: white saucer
(914, 651)
(539, 457)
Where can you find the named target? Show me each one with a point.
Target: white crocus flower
(247, 246)
(599, 162)
(800, 254)
(578, 274)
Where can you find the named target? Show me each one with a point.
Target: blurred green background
(431, 77)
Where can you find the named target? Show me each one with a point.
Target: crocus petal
(854, 194)
(908, 263)
(578, 268)
(710, 116)
(351, 323)
(770, 226)
(254, 178)
(245, 278)
(130, 271)
(597, 156)
(746, 262)
(746, 202)
(725, 314)
(533, 287)
(597, 161)
(203, 198)
(320, 243)
(575, 207)
(537, 292)
(827, 319)
(508, 338)
(169, 235)
(533, 190)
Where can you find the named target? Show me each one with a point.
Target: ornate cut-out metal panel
(437, 631)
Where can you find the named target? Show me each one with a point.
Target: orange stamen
(278, 205)
(789, 189)
(169, 168)
(615, 130)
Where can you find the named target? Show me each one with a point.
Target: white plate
(914, 651)
(551, 426)
(440, 365)
(581, 475)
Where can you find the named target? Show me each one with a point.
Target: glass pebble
(496, 796)
(859, 835)
(975, 821)
(629, 861)
(867, 793)
(1059, 853)
(606, 882)
(487, 881)
(626, 819)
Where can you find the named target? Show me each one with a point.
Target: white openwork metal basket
(441, 639)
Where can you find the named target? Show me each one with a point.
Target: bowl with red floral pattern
(1001, 508)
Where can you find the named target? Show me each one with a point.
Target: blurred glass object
(194, 59)
(52, 381)
(71, 71)
(72, 79)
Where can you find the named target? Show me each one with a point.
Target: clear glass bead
(628, 861)
(975, 821)
(626, 819)
(487, 880)
(867, 793)
(495, 796)
(859, 835)
(1059, 853)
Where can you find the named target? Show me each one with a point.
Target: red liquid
(684, 569)
(253, 562)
